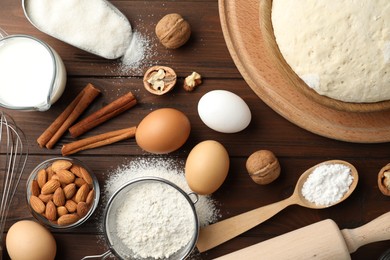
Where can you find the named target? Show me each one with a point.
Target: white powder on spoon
(327, 184)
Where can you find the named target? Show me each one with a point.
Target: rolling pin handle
(376, 230)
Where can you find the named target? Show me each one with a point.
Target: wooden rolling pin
(321, 240)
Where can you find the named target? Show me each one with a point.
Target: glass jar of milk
(32, 74)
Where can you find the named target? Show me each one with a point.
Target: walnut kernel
(173, 31)
(263, 167)
(159, 80)
(384, 180)
(192, 81)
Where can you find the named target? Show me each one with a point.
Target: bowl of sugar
(33, 75)
(151, 218)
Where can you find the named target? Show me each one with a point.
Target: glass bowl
(61, 201)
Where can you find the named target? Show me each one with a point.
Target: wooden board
(240, 22)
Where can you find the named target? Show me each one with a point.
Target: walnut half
(159, 80)
(384, 180)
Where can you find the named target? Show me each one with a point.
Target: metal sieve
(116, 244)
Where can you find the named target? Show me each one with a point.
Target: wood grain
(269, 79)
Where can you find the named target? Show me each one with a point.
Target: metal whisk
(13, 157)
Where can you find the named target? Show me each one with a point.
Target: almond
(59, 197)
(45, 198)
(70, 190)
(67, 219)
(41, 177)
(79, 182)
(37, 205)
(86, 176)
(50, 172)
(51, 211)
(75, 169)
(82, 209)
(71, 206)
(50, 186)
(90, 197)
(55, 177)
(61, 210)
(35, 190)
(82, 193)
(61, 165)
(65, 176)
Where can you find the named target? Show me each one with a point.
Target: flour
(168, 169)
(327, 184)
(155, 220)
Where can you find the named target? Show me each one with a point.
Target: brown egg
(163, 131)
(206, 167)
(29, 240)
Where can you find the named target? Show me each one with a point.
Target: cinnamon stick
(54, 132)
(102, 115)
(98, 141)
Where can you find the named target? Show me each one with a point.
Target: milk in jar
(32, 75)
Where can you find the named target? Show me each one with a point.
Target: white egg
(224, 111)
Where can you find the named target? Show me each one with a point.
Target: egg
(29, 240)
(206, 167)
(224, 111)
(163, 131)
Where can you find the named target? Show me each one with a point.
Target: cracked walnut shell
(159, 80)
(384, 180)
(263, 167)
(173, 31)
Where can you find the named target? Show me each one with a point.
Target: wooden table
(206, 53)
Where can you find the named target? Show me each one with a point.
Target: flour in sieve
(169, 169)
(155, 220)
(327, 184)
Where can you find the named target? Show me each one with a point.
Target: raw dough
(340, 48)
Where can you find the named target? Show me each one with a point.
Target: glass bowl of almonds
(62, 192)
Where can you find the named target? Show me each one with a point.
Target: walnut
(263, 167)
(192, 81)
(384, 180)
(173, 31)
(159, 80)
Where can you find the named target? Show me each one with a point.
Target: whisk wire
(12, 139)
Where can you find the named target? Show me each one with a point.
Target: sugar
(91, 25)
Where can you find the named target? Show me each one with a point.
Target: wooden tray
(241, 28)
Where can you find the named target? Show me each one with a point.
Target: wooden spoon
(218, 233)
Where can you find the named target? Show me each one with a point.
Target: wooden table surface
(206, 53)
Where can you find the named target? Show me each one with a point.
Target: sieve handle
(196, 197)
(102, 256)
